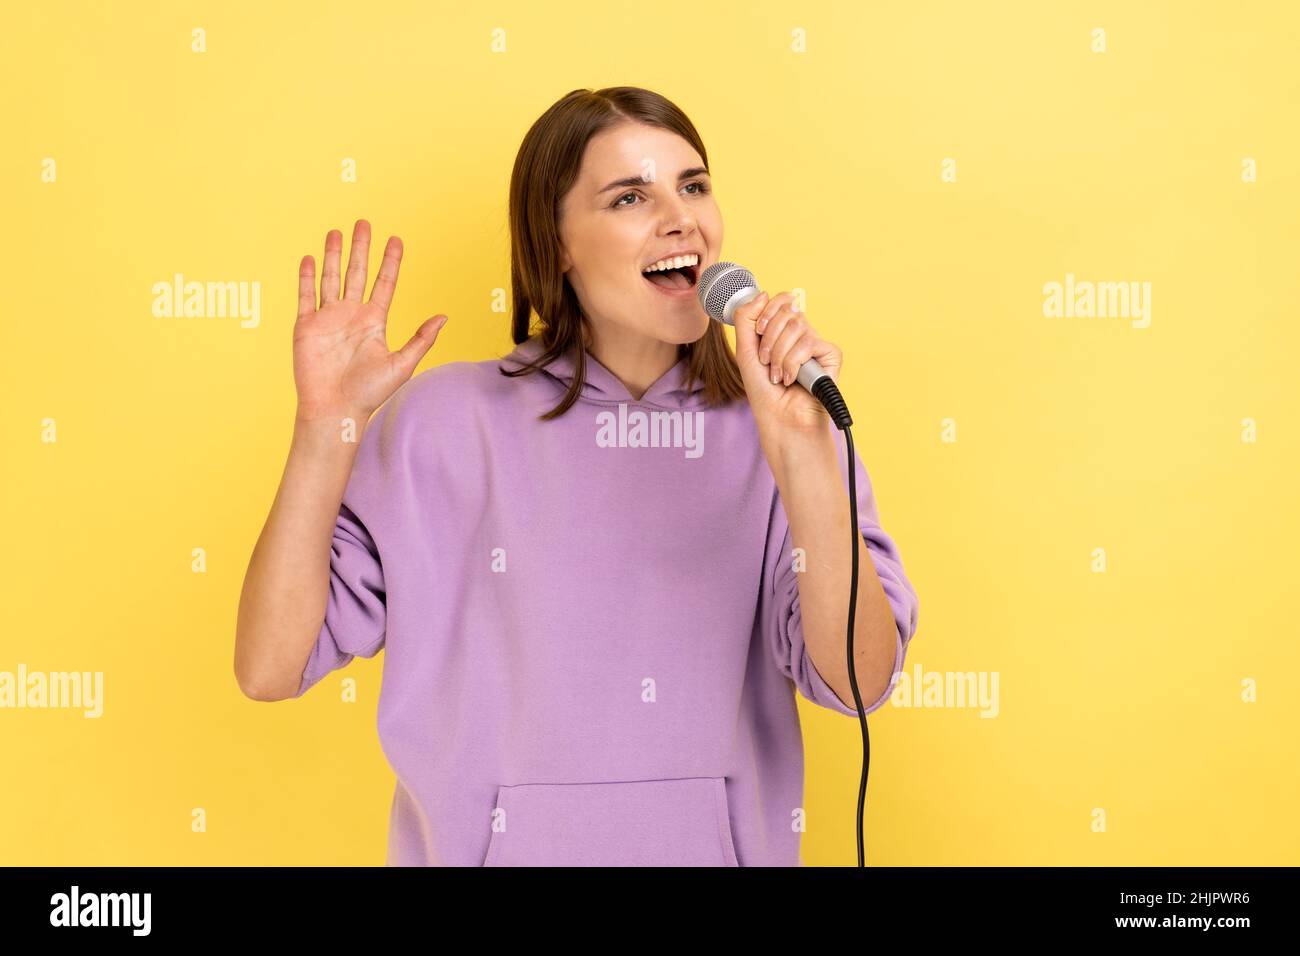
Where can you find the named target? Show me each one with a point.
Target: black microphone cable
(722, 288)
(825, 391)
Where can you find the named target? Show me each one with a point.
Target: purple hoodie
(593, 635)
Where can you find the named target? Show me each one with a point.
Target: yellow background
(1119, 690)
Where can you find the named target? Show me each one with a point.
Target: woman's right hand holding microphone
(341, 363)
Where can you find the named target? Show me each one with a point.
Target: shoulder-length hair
(545, 169)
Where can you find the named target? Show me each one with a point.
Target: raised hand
(341, 363)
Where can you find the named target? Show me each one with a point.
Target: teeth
(675, 263)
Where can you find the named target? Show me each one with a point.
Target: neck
(638, 361)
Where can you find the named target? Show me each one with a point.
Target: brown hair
(546, 168)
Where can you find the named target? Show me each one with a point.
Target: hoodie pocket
(683, 821)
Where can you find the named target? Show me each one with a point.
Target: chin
(685, 330)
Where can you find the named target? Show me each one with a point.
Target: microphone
(723, 288)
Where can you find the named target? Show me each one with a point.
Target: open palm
(341, 362)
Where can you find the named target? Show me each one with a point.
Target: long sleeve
(355, 611)
(782, 620)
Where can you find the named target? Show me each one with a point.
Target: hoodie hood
(602, 386)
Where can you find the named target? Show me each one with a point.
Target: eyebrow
(638, 181)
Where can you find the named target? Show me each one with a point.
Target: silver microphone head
(724, 287)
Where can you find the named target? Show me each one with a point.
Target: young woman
(580, 559)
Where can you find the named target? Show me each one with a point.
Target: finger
(800, 350)
(329, 279)
(792, 328)
(772, 321)
(409, 355)
(779, 301)
(306, 287)
(386, 282)
(743, 321)
(354, 284)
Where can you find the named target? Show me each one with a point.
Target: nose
(678, 218)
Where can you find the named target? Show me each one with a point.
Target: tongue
(670, 279)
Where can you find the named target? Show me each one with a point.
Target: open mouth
(673, 280)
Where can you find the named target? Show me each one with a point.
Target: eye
(703, 188)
